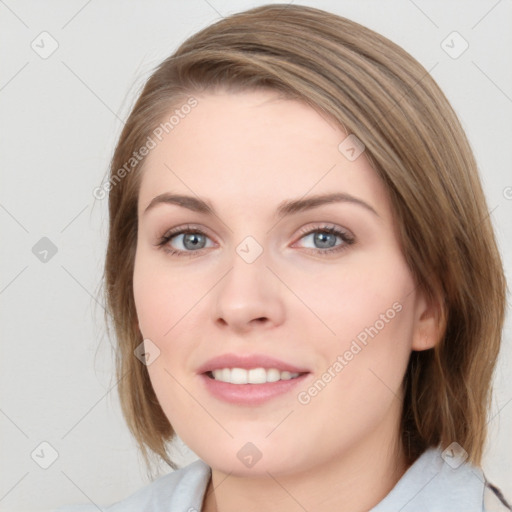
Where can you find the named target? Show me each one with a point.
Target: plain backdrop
(60, 115)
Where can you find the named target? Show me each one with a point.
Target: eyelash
(165, 239)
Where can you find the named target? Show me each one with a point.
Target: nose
(249, 297)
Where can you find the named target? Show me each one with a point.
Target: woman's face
(279, 324)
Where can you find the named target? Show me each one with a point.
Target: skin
(246, 153)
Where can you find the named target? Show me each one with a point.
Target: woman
(302, 275)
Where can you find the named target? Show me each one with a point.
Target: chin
(252, 458)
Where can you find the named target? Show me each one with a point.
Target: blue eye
(194, 240)
(325, 237)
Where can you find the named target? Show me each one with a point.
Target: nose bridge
(249, 291)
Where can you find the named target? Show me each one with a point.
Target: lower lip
(250, 394)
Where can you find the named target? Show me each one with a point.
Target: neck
(354, 480)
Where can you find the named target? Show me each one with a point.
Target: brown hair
(374, 89)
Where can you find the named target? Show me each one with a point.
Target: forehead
(254, 148)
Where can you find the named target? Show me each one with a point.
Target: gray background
(60, 117)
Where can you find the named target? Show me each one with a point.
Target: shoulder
(441, 481)
(180, 491)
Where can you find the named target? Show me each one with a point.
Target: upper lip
(248, 361)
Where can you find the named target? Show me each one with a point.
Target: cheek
(160, 298)
(164, 302)
(154, 310)
(160, 304)
(355, 296)
(369, 311)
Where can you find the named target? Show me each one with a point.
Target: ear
(429, 322)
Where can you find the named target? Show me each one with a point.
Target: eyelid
(325, 227)
(185, 229)
(346, 236)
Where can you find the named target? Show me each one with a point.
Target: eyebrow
(285, 208)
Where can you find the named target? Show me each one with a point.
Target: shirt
(431, 484)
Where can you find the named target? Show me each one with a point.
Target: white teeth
(252, 376)
(218, 374)
(273, 375)
(257, 376)
(239, 376)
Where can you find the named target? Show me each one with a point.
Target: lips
(250, 379)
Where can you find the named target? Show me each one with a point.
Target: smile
(251, 376)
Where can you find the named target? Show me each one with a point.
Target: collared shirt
(431, 484)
